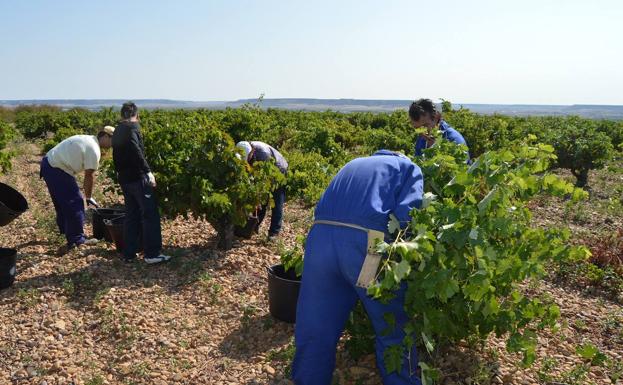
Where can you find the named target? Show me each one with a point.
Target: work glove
(92, 202)
(152, 179)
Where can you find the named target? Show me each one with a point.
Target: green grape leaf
(392, 358)
(401, 270)
(393, 225)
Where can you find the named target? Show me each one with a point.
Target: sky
(504, 51)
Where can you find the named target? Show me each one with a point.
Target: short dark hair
(421, 107)
(101, 134)
(128, 110)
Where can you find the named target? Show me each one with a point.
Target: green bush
(7, 114)
(308, 176)
(197, 170)
(581, 144)
(465, 253)
(60, 135)
(42, 121)
(7, 133)
(246, 123)
(580, 149)
(36, 121)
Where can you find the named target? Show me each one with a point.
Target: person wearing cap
(59, 167)
(137, 184)
(423, 113)
(257, 152)
(341, 262)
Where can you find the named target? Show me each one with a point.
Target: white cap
(110, 130)
(246, 146)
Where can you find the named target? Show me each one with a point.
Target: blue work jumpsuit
(447, 133)
(364, 192)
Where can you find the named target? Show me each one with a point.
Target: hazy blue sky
(519, 51)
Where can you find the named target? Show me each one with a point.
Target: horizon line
(288, 98)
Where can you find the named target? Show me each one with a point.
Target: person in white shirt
(59, 167)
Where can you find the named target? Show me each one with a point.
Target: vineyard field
(519, 254)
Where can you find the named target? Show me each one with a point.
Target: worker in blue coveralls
(59, 167)
(351, 216)
(423, 113)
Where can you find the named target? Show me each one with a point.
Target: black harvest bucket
(7, 267)
(249, 229)
(12, 204)
(99, 228)
(283, 293)
(115, 229)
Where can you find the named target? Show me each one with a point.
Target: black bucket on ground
(114, 227)
(249, 229)
(99, 228)
(283, 293)
(7, 267)
(12, 204)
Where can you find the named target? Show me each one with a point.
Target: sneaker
(272, 237)
(91, 241)
(158, 259)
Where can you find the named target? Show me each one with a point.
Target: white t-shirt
(76, 154)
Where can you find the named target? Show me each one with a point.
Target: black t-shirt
(128, 153)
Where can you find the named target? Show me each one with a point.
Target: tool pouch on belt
(371, 263)
(370, 266)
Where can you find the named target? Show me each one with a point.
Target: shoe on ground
(273, 237)
(128, 260)
(65, 249)
(62, 250)
(160, 258)
(91, 241)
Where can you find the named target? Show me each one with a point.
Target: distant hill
(344, 105)
(99, 103)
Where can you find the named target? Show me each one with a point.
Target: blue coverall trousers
(67, 200)
(333, 259)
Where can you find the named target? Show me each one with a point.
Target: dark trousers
(67, 200)
(276, 215)
(141, 211)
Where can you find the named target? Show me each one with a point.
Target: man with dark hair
(257, 151)
(128, 110)
(137, 183)
(59, 167)
(423, 113)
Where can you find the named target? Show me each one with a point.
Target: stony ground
(87, 318)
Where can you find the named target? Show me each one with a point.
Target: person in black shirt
(138, 184)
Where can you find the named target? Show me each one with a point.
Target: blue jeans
(141, 209)
(276, 215)
(333, 259)
(67, 200)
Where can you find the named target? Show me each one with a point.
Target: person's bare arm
(88, 183)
